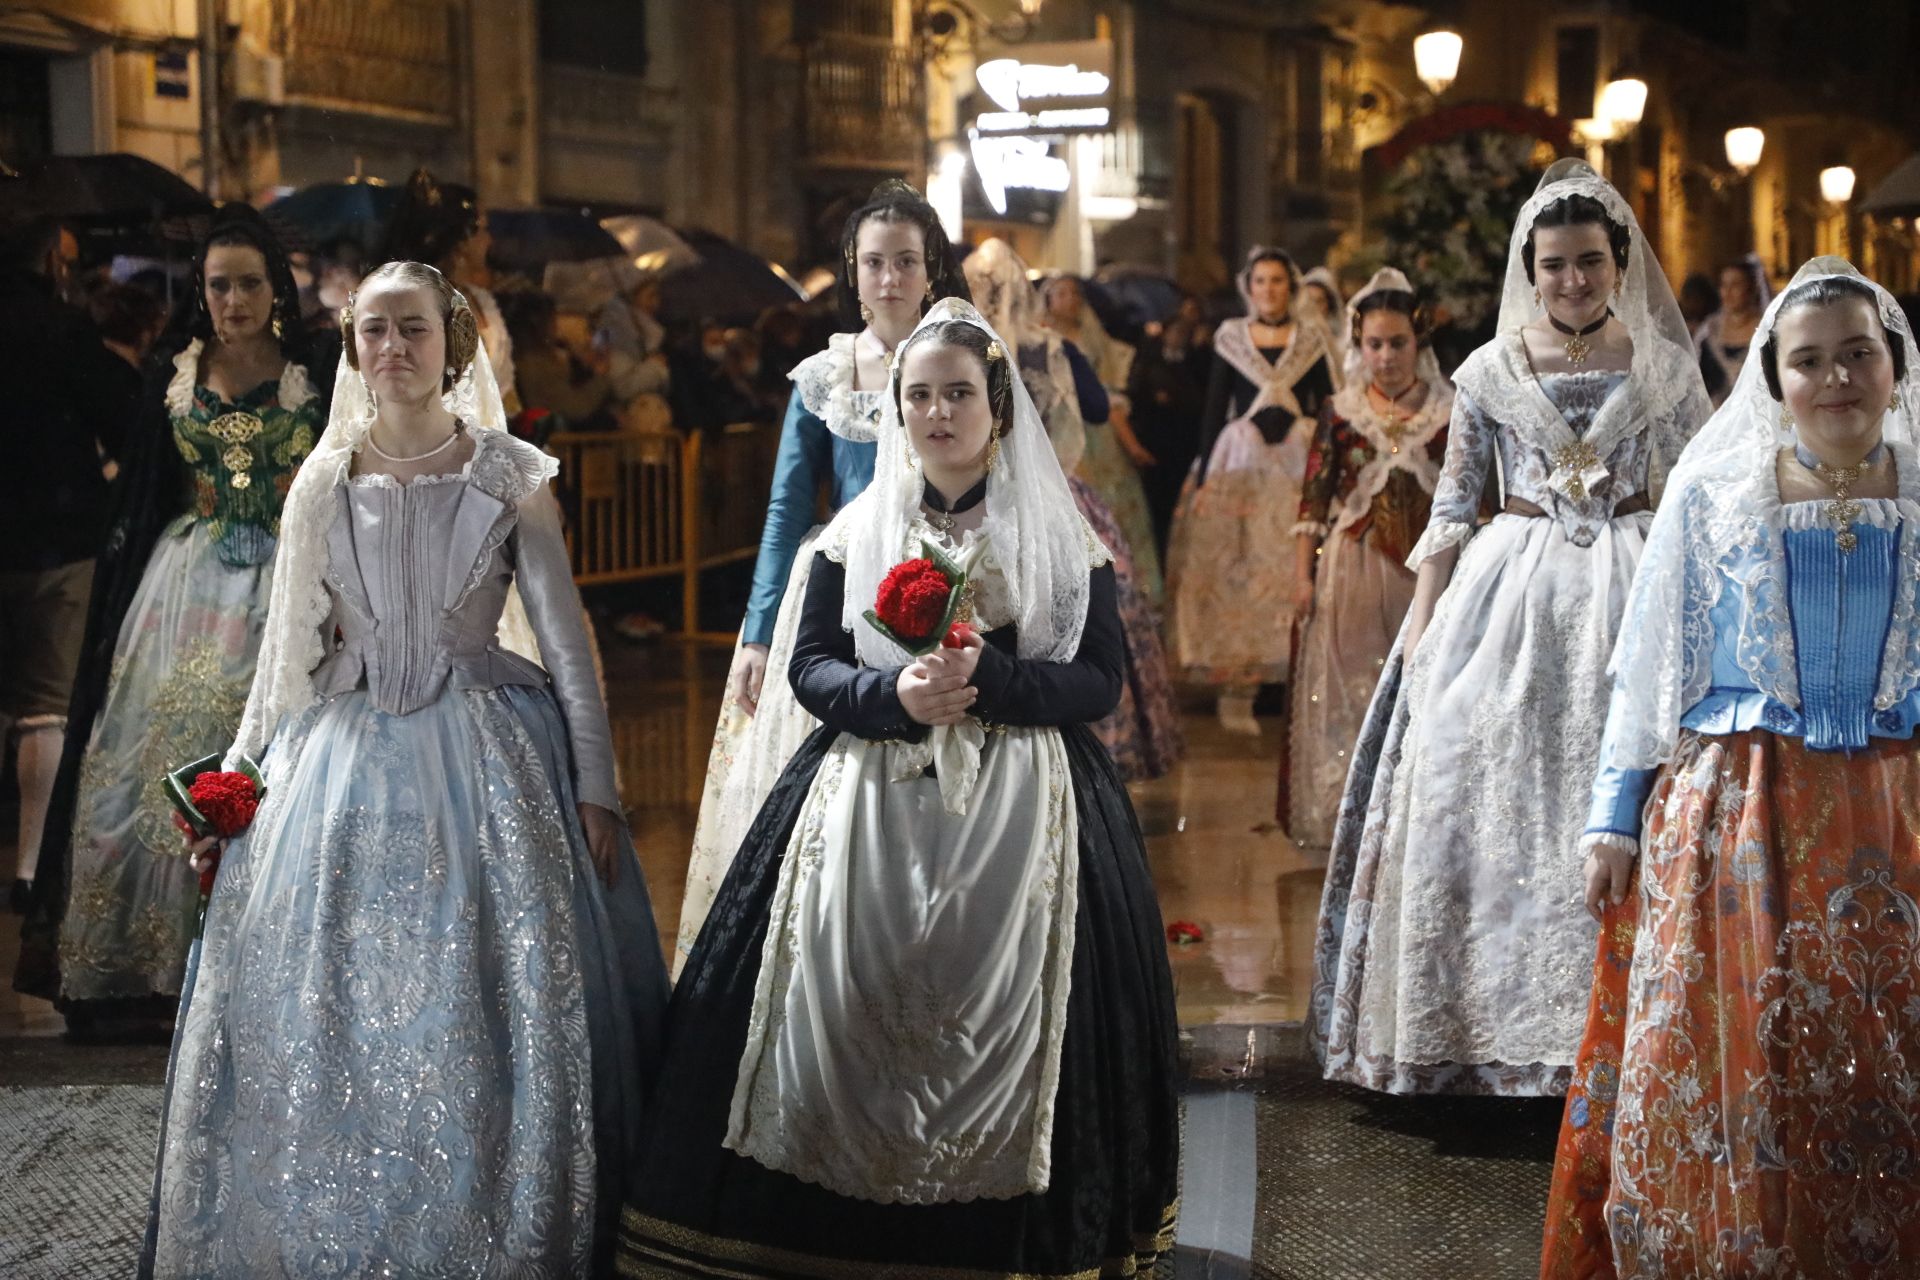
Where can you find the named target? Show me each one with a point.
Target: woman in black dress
(929, 1022)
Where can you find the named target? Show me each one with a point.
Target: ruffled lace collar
(824, 383)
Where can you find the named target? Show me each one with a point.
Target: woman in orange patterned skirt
(1747, 1097)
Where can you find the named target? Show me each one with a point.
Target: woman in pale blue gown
(427, 1000)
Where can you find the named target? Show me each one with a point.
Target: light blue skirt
(417, 1034)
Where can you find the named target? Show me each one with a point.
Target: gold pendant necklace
(1397, 420)
(1577, 348)
(1843, 510)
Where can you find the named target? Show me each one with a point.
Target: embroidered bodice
(241, 455)
(417, 577)
(1372, 476)
(1832, 615)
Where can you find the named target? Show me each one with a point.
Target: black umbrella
(316, 216)
(1133, 296)
(115, 203)
(729, 284)
(526, 240)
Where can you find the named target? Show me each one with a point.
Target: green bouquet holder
(179, 787)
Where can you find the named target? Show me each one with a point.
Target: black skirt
(696, 1208)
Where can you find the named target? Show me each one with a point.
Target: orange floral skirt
(1747, 1097)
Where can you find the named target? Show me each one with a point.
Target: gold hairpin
(995, 351)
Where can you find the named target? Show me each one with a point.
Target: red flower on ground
(226, 800)
(913, 599)
(1182, 932)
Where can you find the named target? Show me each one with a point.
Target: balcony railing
(863, 105)
(387, 55)
(582, 102)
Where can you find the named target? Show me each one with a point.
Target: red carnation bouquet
(919, 603)
(210, 801)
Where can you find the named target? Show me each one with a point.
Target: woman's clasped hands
(937, 688)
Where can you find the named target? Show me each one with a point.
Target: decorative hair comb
(995, 351)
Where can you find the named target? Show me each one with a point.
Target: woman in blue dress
(1744, 1100)
(897, 264)
(426, 1004)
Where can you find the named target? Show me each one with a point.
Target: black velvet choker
(965, 502)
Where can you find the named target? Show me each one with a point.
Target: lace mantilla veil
(997, 278)
(1426, 366)
(297, 607)
(1033, 531)
(1723, 504)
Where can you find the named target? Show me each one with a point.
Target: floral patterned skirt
(1230, 565)
(1111, 473)
(1143, 732)
(748, 754)
(181, 671)
(1747, 1099)
(1360, 601)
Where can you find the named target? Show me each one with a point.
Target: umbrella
(1127, 297)
(728, 283)
(652, 244)
(116, 203)
(1898, 194)
(328, 211)
(526, 240)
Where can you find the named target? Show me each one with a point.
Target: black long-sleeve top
(830, 683)
(1229, 393)
(69, 400)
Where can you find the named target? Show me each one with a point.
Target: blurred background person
(69, 404)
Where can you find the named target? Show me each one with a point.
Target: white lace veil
(1723, 499)
(997, 278)
(297, 608)
(1645, 303)
(1033, 531)
(1386, 280)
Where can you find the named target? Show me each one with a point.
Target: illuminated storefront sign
(1027, 105)
(1026, 163)
(1050, 89)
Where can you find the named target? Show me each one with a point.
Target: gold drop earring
(993, 450)
(866, 313)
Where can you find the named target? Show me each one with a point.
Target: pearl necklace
(418, 457)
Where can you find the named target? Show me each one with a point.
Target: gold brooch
(237, 459)
(235, 428)
(1578, 458)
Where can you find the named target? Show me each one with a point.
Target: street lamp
(1623, 101)
(1744, 146)
(1436, 59)
(1836, 184)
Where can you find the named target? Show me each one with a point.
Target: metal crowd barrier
(657, 504)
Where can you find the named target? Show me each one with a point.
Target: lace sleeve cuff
(1310, 529)
(1440, 535)
(1609, 840)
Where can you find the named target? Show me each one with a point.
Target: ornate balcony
(863, 105)
(380, 57)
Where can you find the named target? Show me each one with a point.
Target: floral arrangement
(919, 601)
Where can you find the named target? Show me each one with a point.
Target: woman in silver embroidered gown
(1453, 947)
(427, 997)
